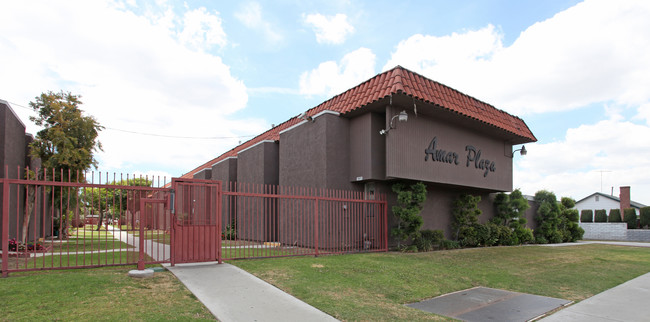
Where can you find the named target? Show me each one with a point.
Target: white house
(598, 200)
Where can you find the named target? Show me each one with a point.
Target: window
(597, 198)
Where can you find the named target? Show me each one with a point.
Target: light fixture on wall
(522, 151)
(402, 117)
(303, 116)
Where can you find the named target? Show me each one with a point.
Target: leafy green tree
(548, 218)
(510, 208)
(407, 210)
(66, 146)
(557, 221)
(510, 213)
(569, 217)
(110, 203)
(465, 212)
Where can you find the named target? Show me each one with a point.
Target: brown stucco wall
(367, 148)
(259, 164)
(256, 217)
(205, 174)
(316, 154)
(407, 142)
(225, 170)
(14, 154)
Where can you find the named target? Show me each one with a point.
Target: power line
(160, 135)
(182, 137)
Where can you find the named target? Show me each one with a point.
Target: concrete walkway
(232, 294)
(626, 302)
(157, 251)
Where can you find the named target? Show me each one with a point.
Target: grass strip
(375, 286)
(105, 294)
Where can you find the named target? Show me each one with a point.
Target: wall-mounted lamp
(402, 117)
(303, 116)
(522, 151)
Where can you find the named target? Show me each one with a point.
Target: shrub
(645, 217)
(600, 215)
(548, 218)
(465, 211)
(407, 210)
(586, 215)
(576, 232)
(524, 235)
(630, 218)
(449, 244)
(427, 239)
(615, 215)
(506, 236)
(77, 222)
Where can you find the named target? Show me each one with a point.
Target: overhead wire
(157, 134)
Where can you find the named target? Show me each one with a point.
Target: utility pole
(601, 178)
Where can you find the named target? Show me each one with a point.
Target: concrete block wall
(614, 231)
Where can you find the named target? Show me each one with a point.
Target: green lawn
(106, 294)
(370, 286)
(375, 286)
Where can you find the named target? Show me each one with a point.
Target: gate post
(316, 225)
(141, 238)
(5, 223)
(172, 217)
(219, 219)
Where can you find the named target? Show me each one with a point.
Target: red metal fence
(273, 221)
(97, 220)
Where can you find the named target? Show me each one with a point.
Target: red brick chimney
(625, 198)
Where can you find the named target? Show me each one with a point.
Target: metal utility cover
(488, 304)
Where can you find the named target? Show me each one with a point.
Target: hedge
(630, 218)
(615, 215)
(586, 215)
(600, 215)
(645, 217)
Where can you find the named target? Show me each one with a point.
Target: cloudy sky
(176, 83)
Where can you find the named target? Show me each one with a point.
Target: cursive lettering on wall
(450, 157)
(483, 164)
(439, 155)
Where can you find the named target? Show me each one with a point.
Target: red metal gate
(197, 224)
(57, 224)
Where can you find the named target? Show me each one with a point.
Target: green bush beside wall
(630, 218)
(615, 215)
(645, 217)
(600, 215)
(586, 215)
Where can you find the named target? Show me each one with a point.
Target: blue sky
(193, 78)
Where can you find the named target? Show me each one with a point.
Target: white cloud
(202, 30)
(332, 78)
(329, 30)
(251, 16)
(596, 52)
(570, 167)
(593, 52)
(138, 75)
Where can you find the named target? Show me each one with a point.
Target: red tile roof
(398, 80)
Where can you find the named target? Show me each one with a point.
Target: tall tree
(66, 145)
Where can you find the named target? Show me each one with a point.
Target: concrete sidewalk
(626, 302)
(232, 294)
